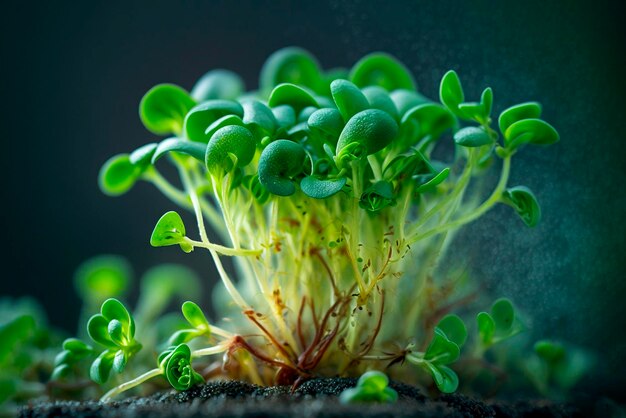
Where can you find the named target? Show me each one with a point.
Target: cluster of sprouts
(323, 187)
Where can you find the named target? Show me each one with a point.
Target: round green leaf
(97, 328)
(486, 327)
(406, 99)
(114, 309)
(454, 328)
(428, 182)
(374, 380)
(503, 315)
(290, 94)
(373, 129)
(258, 118)
(445, 378)
(285, 116)
(169, 230)
(76, 347)
(321, 188)
(202, 116)
(183, 336)
(441, 349)
(101, 367)
(102, 277)
(279, 162)
(291, 65)
(525, 203)
(550, 351)
(530, 131)
(348, 98)
(326, 124)
(472, 136)
(378, 98)
(178, 369)
(194, 315)
(116, 332)
(529, 110)
(119, 361)
(229, 140)
(118, 175)
(451, 92)
(380, 69)
(163, 108)
(216, 85)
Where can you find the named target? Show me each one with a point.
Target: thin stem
(131, 384)
(220, 348)
(224, 250)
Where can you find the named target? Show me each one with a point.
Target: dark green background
(72, 75)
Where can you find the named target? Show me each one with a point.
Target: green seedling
(445, 348)
(323, 187)
(113, 328)
(556, 367)
(499, 325)
(371, 387)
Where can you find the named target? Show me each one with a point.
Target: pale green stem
(476, 213)
(131, 384)
(224, 250)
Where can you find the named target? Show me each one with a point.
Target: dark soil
(315, 398)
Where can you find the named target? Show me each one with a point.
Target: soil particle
(315, 398)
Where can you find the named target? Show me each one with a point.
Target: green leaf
(479, 112)
(101, 367)
(429, 119)
(116, 332)
(348, 98)
(203, 115)
(142, 156)
(228, 120)
(114, 309)
(259, 119)
(378, 98)
(118, 175)
(550, 351)
(178, 369)
(327, 124)
(193, 149)
(183, 336)
(530, 110)
(290, 94)
(454, 328)
(163, 108)
(530, 131)
(169, 230)
(13, 333)
(472, 136)
(76, 347)
(427, 183)
(291, 65)
(372, 386)
(374, 380)
(218, 85)
(102, 277)
(441, 349)
(194, 315)
(445, 378)
(285, 116)
(486, 327)
(525, 203)
(503, 315)
(119, 361)
(377, 197)
(97, 328)
(451, 92)
(406, 99)
(380, 69)
(321, 188)
(373, 129)
(229, 141)
(280, 161)
(486, 100)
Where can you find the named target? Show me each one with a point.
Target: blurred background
(72, 75)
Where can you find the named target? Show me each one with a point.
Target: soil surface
(313, 399)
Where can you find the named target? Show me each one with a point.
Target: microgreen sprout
(372, 386)
(323, 187)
